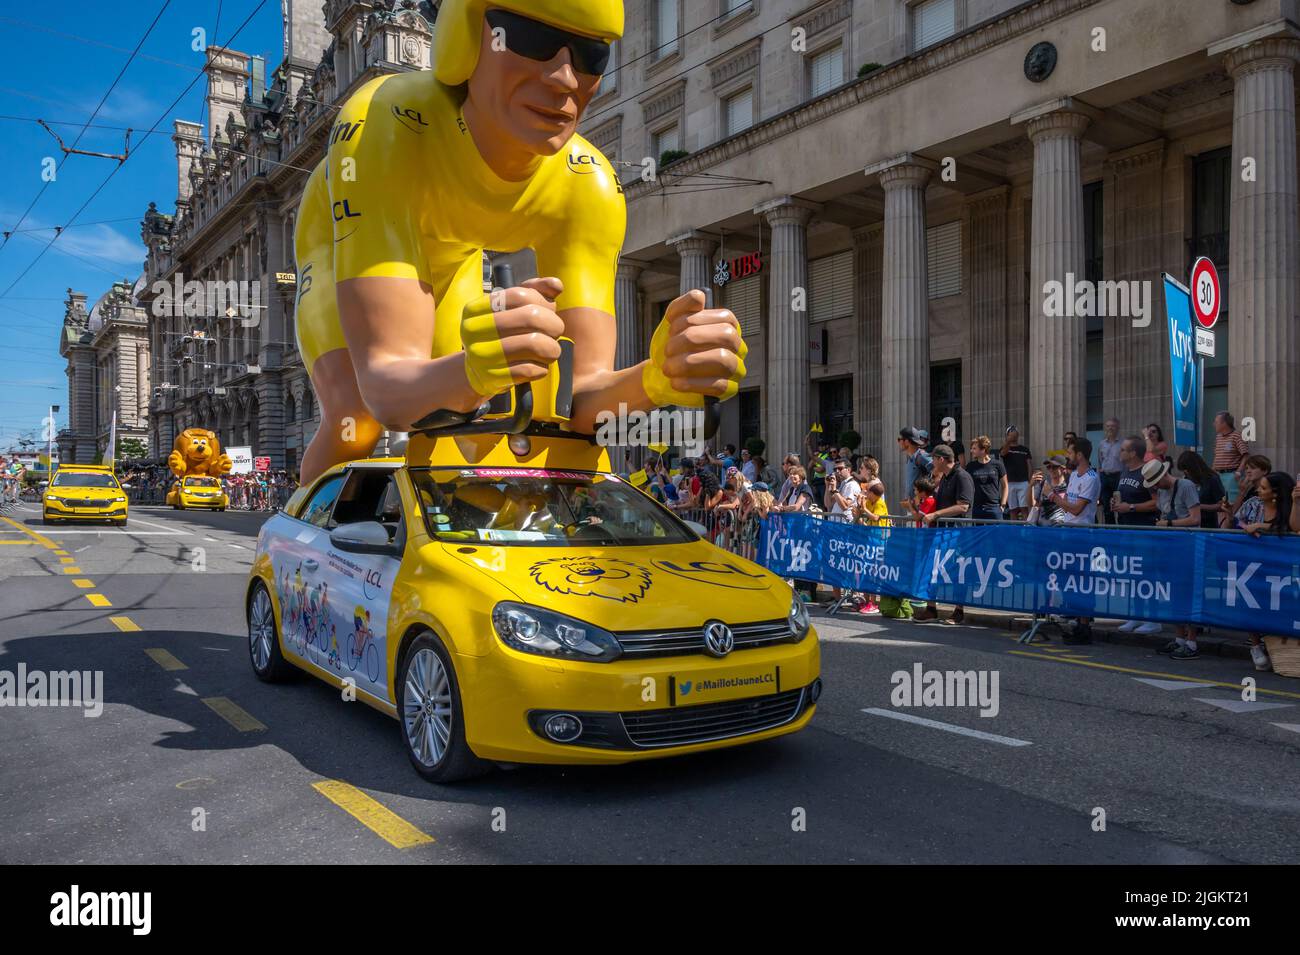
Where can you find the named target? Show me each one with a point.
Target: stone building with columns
(239, 178)
(912, 175)
(108, 365)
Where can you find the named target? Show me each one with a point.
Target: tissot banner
(1228, 580)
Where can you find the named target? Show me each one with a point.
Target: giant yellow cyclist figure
(423, 172)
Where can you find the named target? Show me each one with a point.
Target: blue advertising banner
(1227, 580)
(1184, 368)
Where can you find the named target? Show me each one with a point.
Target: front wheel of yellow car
(263, 642)
(432, 718)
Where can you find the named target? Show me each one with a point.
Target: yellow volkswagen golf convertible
(513, 601)
(84, 492)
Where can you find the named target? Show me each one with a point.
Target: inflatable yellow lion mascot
(196, 452)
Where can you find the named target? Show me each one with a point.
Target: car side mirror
(697, 527)
(364, 537)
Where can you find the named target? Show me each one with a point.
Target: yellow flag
(658, 448)
(638, 478)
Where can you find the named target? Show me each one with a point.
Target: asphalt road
(1183, 771)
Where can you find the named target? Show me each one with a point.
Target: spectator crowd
(1126, 480)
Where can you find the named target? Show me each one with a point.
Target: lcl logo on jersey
(583, 164)
(410, 118)
(343, 211)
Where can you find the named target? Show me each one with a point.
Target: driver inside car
(425, 170)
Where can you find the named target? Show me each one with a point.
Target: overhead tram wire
(108, 178)
(102, 100)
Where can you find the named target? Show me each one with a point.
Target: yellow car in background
(194, 493)
(84, 492)
(515, 602)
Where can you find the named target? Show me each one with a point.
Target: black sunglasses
(541, 41)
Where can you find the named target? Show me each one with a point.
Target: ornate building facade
(108, 367)
(225, 351)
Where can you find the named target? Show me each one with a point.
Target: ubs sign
(742, 266)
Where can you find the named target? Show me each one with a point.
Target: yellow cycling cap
(458, 30)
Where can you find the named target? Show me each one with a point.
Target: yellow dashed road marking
(125, 624)
(67, 560)
(98, 600)
(374, 815)
(69, 569)
(1167, 676)
(61, 553)
(165, 659)
(21, 543)
(39, 538)
(234, 714)
(83, 583)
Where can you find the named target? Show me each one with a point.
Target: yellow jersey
(403, 192)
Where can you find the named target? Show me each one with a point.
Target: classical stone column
(985, 380)
(1057, 345)
(787, 418)
(1135, 361)
(696, 252)
(1264, 249)
(905, 313)
(627, 308)
(868, 260)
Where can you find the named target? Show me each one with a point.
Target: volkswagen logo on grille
(718, 639)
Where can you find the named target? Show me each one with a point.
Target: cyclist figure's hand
(511, 335)
(696, 351)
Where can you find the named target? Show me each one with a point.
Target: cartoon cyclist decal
(425, 170)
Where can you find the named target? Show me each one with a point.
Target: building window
(943, 252)
(1212, 198)
(738, 112)
(945, 399)
(825, 70)
(665, 140)
(734, 6)
(830, 287)
(665, 28)
(745, 299)
(932, 22)
(609, 82)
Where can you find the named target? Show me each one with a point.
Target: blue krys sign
(1184, 368)
(1221, 579)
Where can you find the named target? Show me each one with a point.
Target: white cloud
(102, 242)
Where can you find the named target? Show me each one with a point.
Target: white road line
(935, 724)
(240, 546)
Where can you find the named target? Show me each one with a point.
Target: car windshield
(541, 508)
(202, 482)
(83, 479)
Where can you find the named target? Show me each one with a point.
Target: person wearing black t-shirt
(1132, 504)
(952, 498)
(989, 477)
(1018, 461)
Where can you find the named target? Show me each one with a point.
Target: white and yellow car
(84, 492)
(525, 606)
(198, 493)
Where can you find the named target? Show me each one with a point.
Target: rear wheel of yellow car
(269, 665)
(431, 716)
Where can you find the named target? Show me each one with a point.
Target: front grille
(683, 725)
(665, 643)
(89, 503)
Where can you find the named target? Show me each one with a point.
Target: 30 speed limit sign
(1206, 296)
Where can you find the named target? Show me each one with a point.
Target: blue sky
(56, 62)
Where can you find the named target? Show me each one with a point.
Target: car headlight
(800, 624)
(119, 500)
(534, 630)
(51, 497)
